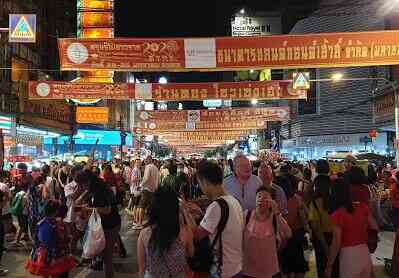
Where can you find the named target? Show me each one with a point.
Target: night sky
(190, 18)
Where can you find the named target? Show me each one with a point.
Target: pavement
(15, 259)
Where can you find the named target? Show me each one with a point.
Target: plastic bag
(124, 222)
(94, 242)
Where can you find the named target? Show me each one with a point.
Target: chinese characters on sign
(384, 108)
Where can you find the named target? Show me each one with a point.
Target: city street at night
(215, 139)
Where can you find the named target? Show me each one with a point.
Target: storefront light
(254, 101)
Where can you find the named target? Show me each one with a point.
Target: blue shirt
(244, 193)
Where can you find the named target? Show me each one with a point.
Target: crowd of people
(260, 217)
(200, 218)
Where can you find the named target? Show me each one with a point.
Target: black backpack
(203, 258)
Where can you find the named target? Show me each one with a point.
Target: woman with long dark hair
(164, 245)
(293, 262)
(351, 222)
(100, 197)
(319, 218)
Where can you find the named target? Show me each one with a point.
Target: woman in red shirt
(358, 184)
(351, 222)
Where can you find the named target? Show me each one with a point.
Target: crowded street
(215, 139)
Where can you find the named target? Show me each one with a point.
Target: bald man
(243, 184)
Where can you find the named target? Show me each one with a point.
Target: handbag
(94, 242)
(203, 258)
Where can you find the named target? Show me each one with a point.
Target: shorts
(23, 223)
(146, 199)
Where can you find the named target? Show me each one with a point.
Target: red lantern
(373, 133)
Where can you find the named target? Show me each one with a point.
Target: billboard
(89, 137)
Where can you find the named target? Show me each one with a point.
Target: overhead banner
(262, 90)
(66, 90)
(221, 138)
(232, 53)
(157, 126)
(207, 134)
(273, 114)
(199, 142)
(92, 115)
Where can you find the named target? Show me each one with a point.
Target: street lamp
(163, 80)
(242, 11)
(337, 76)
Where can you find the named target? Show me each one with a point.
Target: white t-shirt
(150, 180)
(6, 190)
(51, 187)
(231, 236)
(69, 189)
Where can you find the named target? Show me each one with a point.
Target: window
(309, 106)
(268, 28)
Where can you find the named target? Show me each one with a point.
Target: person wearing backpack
(222, 223)
(19, 210)
(51, 256)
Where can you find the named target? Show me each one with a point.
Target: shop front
(104, 144)
(316, 147)
(22, 143)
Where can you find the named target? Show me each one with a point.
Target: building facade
(342, 111)
(31, 121)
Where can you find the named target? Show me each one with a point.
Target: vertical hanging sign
(1, 150)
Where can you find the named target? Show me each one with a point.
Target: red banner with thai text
(262, 90)
(273, 114)
(231, 53)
